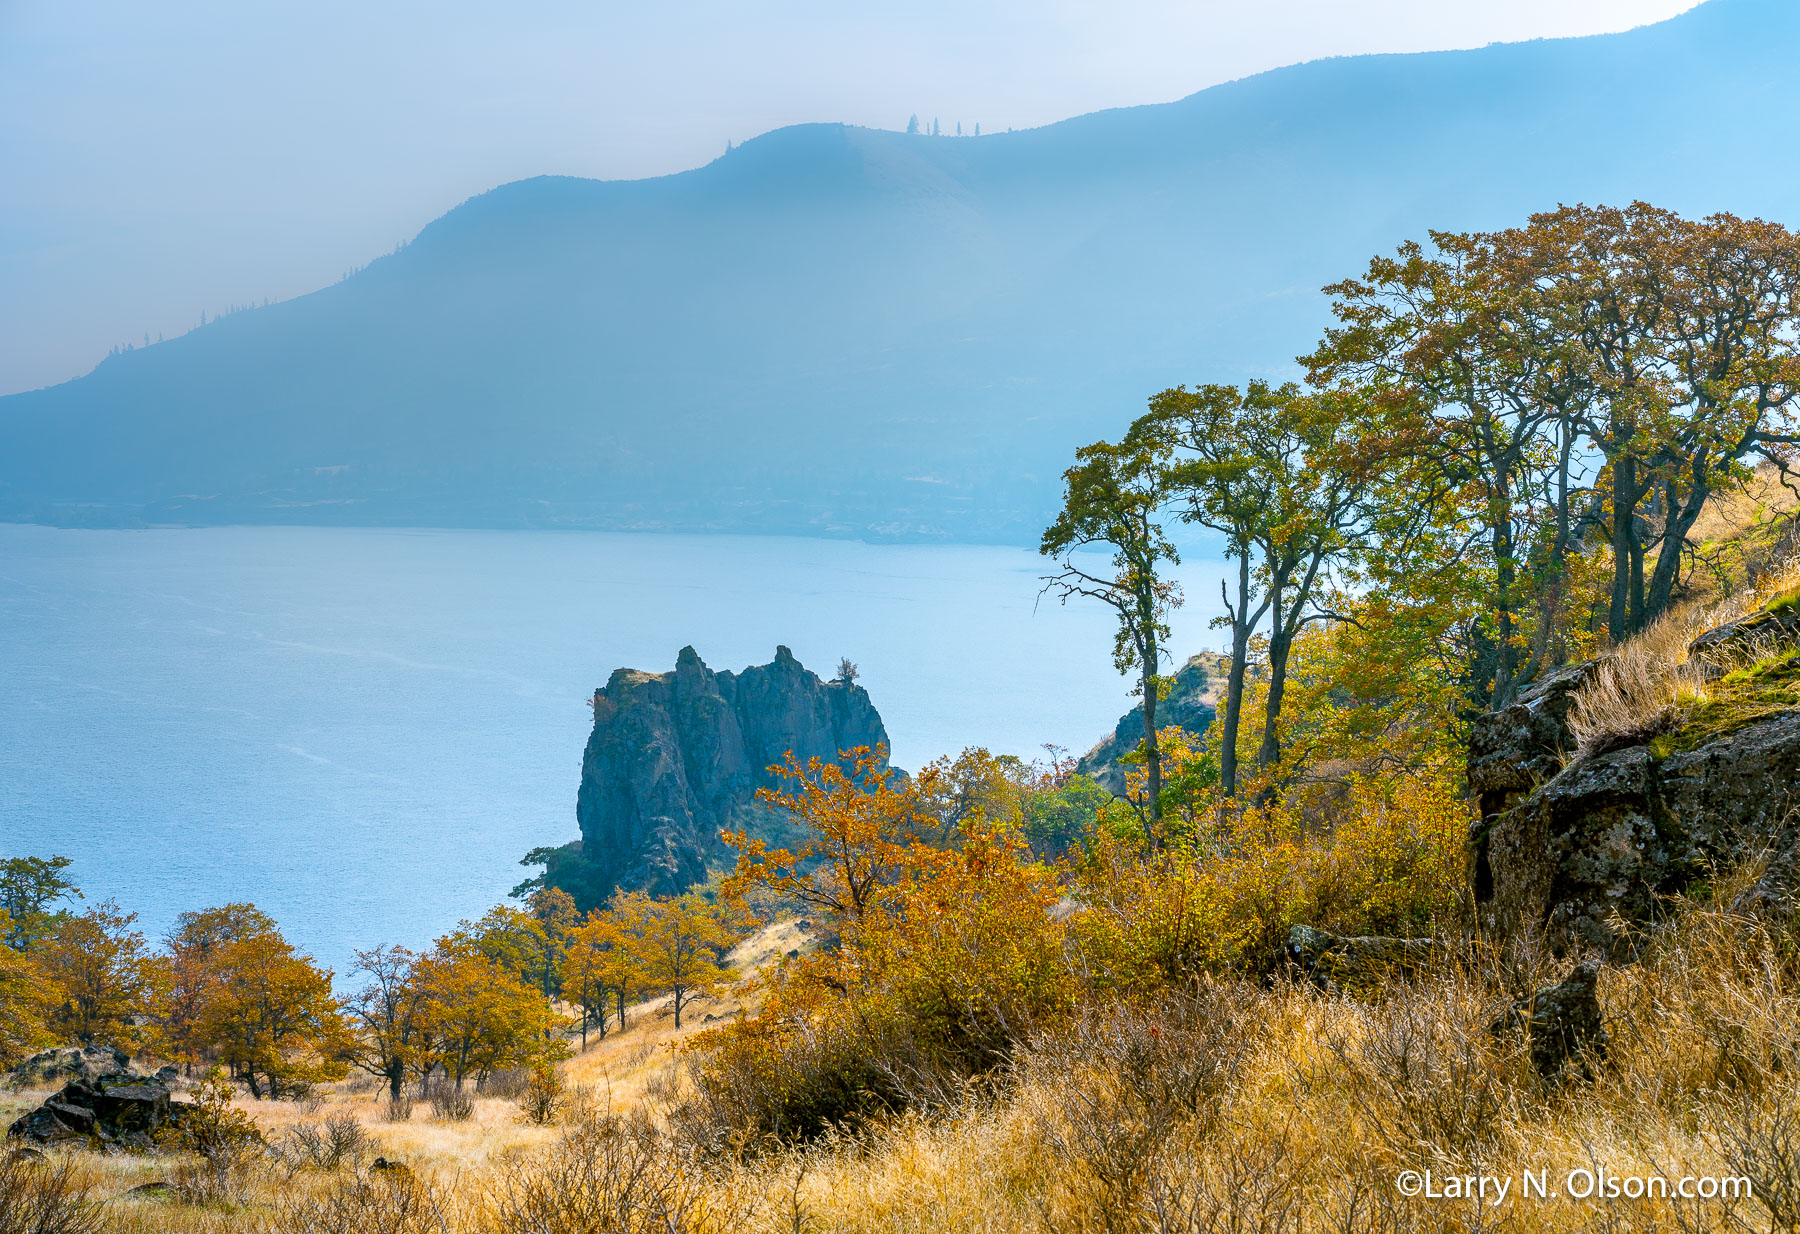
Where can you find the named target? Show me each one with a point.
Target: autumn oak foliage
(1111, 501)
(1572, 389)
(863, 827)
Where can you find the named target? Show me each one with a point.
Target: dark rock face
(1192, 704)
(676, 757)
(123, 1110)
(1571, 845)
(1514, 750)
(1563, 1022)
(55, 1066)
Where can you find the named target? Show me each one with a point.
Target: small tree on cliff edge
(1111, 498)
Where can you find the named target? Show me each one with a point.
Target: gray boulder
(1760, 627)
(1513, 751)
(69, 1062)
(1334, 961)
(1575, 846)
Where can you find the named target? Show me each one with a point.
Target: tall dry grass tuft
(1634, 690)
(612, 1174)
(1424, 1073)
(337, 1142)
(382, 1202)
(1641, 687)
(450, 1102)
(38, 1196)
(1126, 1078)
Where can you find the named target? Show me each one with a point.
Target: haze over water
(363, 730)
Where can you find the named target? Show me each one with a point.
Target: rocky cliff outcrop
(676, 757)
(1191, 704)
(1573, 843)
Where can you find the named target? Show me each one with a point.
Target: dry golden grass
(1234, 1107)
(1635, 688)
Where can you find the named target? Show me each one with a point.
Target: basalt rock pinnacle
(676, 757)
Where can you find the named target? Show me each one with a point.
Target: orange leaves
(270, 1013)
(109, 979)
(476, 1016)
(678, 945)
(27, 999)
(864, 831)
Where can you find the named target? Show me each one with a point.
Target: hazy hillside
(854, 332)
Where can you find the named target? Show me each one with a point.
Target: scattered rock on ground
(1333, 960)
(1563, 1023)
(393, 1169)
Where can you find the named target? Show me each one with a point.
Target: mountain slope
(853, 332)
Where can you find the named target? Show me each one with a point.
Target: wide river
(363, 730)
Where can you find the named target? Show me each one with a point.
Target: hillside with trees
(1488, 867)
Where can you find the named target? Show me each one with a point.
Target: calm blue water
(362, 730)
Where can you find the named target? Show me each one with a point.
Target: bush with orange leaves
(947, 955)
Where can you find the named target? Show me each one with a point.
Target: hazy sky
(161, 160)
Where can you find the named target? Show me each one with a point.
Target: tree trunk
(1243, 624)
(396, 1076)
(1280, 639)
(1626, 610)
(1152, 753)
(1679, 520)
(1506, 577)
(1233, 707)
(678, 993)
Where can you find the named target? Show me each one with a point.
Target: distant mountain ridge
(851, 332)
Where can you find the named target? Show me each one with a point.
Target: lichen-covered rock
(1761, 627)
(1594, 844)
(1575, 845)
(1734, 795)
(676, 757)
(68, 1062)
(1562, 1021)
(1515, 749)
(1340, 961)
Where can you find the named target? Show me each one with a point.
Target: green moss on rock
(1736, 701)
